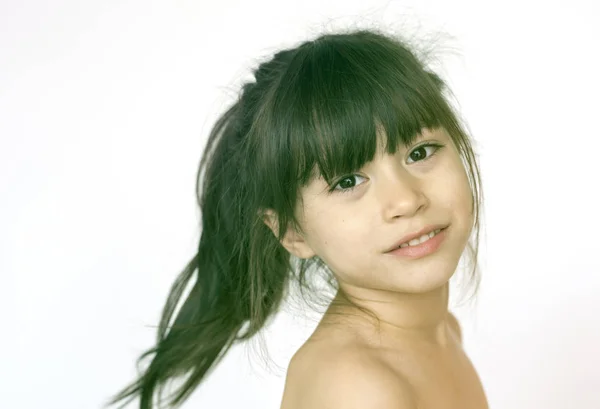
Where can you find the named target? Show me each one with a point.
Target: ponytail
(229, 290)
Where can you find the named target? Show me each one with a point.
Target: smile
(422, 239)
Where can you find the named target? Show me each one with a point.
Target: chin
(430, 281)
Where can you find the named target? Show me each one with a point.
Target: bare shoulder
(347, 378)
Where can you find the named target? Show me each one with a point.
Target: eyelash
(437, 147)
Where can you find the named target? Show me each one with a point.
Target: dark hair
(312, 110)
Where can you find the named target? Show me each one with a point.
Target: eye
(420, 149)
(346, 185)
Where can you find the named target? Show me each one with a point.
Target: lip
(416, 235)
(424, 249)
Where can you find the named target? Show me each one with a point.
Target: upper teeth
(421, 239)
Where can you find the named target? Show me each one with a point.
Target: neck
(418, 317)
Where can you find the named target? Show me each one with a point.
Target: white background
(104, 111)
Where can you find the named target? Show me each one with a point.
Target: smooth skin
(346, 363)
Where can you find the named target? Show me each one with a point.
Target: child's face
(393, 196)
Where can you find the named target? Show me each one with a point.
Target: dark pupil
(418, 157)
(345, 185)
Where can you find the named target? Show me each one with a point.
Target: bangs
(339, 93)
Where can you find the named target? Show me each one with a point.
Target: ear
(293, 241)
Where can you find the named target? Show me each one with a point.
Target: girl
(345, 155)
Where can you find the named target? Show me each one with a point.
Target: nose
(399, 193)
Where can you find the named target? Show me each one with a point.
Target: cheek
(452, 190)
(463, 194)
(466, 195)
(461, 198)
(340, 236)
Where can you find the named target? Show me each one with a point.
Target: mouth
(421, 246)
(419, 239)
